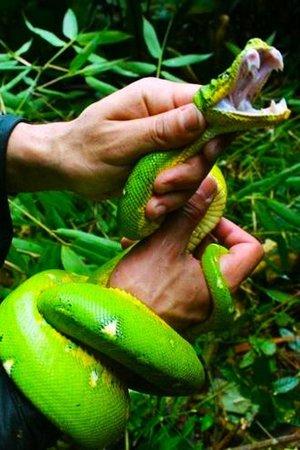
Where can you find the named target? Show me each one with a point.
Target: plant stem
(164, 43)
(38, 223)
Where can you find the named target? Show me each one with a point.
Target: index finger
(147, 97)
(245, 252)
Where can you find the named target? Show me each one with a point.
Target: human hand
(94, 154)
(170, 281)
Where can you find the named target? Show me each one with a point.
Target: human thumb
(168, 130)
(180, 224)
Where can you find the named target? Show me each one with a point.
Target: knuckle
(145, 83)
(187, 180)
(159, 131)
(193, 176)
(195, 208)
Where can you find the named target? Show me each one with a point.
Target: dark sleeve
(22, 426)
(7, 124)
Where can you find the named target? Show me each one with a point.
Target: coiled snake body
(74, 345)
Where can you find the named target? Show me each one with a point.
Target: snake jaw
(254, 71)
(227, 100)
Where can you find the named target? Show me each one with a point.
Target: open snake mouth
(254, 71)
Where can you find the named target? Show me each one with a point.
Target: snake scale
(74, 346)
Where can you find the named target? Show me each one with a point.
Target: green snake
(74, 345)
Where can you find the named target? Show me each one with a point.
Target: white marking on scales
(220, 283)
(94, 377)
(110, 329)
(8, 364)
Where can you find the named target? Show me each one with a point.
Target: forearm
(34, 159)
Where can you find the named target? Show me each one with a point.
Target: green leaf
(271, 38)
(268, 183)
(72, 262)
(265, 346)
(294, 345)
(171, 77)
(186, 60)
(247, 359)
(47, 35)
(93, 58)
(233, 48)
(50, 258)
(279, 296)
(234, 402)
(98, 244)
(24, 48)
(139, 68)
(4, 57)
(66, 95)
(83, 55)
(27, 246)
(70, 26)
(10, 65)
(151, 39)
(293, 182)
(126, 73)
(14, 81)
(285, 384)
(94, 69)
(207, 422)
(284, 212)
(100, 86)
(105, 37)
(282, 319)
(268, 347)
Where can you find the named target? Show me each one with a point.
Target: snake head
(227, 100)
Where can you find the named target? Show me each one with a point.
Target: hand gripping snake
(74, 346)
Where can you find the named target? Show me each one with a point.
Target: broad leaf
(70, 27)
(285, 384)
(233, 48)
(14, 81)
(105, 37)
(186, 60)
(139, 68)
(84, 54)
(100, 86)
(47, 35)
(24, 48)
(72, 262)
(151, 39)
(93, 69)
(171, 77)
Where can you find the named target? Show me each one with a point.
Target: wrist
(34, 156)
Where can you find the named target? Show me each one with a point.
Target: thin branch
(245, 346)
(38, 223)
(275, 442)
(226, 439)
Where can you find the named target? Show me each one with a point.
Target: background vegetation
(59, 56)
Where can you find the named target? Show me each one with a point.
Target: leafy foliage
(89, 52)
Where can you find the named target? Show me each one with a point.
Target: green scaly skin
(83, 389)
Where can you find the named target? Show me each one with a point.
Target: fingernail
(213, 149)
(192, 118)
(208, 188)
(159, 210)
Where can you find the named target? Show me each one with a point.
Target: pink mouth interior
(253, 74)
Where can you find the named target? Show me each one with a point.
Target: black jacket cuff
(7, 124)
